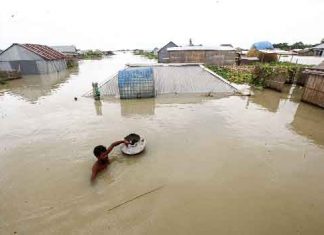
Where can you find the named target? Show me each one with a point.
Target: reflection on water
(267, 99)
(139, 107)
(98, 106)
(270, 99)
(146, 107)
(309, 122)
(33, 87)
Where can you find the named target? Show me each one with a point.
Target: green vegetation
(296, 45)
(289, 70)
(2, 78)
(147, 54)
(236, 74)
(72, 63)
(258, 73)
(2, 75)
(90, 54)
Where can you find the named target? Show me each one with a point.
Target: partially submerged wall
(314, 89)
(18, 58)
(27, 67)
(276, 82)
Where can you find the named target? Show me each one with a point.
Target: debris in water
(141, 195)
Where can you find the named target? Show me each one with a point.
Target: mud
(234, 165)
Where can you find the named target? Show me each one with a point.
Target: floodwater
(234, 165)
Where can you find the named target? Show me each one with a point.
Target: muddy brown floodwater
(234, 165)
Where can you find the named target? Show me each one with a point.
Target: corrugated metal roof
(178, 79)
(201, 48)
(169, 44)
(277, 51)
(320, 46)
(66, 49)
(44, 51)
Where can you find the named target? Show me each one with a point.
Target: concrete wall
(217, 57)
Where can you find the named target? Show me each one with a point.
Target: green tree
(282, 46)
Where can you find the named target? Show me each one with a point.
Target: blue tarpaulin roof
(264, 45)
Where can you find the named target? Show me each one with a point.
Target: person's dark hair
(98, 150)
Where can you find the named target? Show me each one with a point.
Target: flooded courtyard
(233, 165)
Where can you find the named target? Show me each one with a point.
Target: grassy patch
(258, 73)
(147, 54)
(72, 63)
(92, 54)
(236, 74)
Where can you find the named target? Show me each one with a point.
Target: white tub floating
(133, 149)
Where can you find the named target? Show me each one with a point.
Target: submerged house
(222, 55)
(163, 56)
(303, 52)
(32, 59)
(144, 81)
(67, 50)
(319, 50)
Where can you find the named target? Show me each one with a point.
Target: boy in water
(101, 154)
